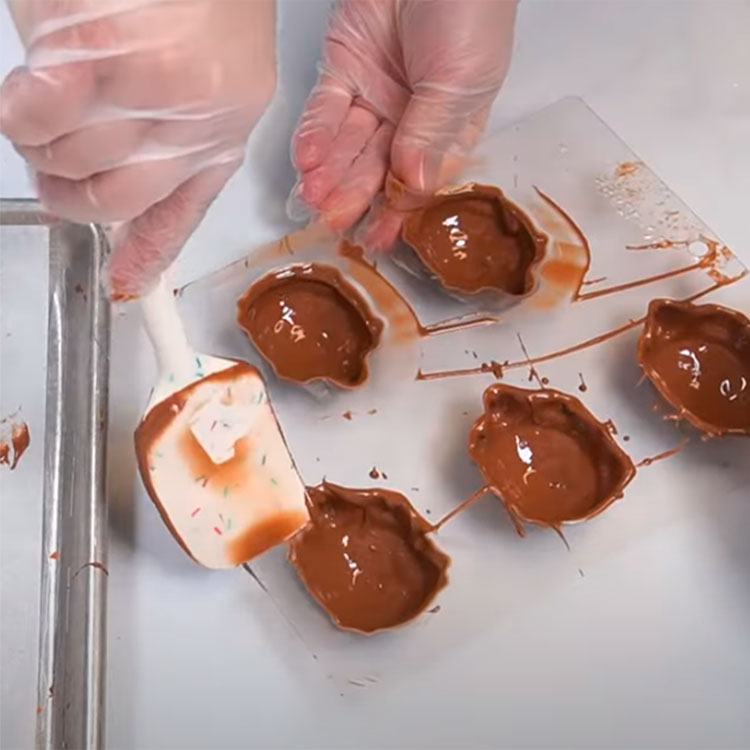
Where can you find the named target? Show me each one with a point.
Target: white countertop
(651, 649)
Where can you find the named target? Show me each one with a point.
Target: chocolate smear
(365, 557)
(698, 357)
(15, 438)
(546, 456)
(473, 239)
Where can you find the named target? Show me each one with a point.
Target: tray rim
(72, 614)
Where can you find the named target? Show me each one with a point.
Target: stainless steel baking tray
(71, 655)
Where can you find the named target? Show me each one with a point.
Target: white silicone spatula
(210, 451)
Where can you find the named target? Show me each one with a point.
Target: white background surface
(652, 649)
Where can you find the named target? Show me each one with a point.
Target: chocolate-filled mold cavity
(474, 239)
(698, 357)
(546, 456)
(365, 557)
(310, 324)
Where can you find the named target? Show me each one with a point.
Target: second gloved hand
(138, 111)
(404, 91)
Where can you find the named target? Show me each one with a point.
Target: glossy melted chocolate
(365, 558)
(698, 357)
(309, 323)
(546, 456)
(474, 239)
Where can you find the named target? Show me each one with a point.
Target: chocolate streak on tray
(566, 263)
(566, 272)
(365, 557)
(511, 365)
(664, 454)
(714, 252)
(393, 305)
(463, 505)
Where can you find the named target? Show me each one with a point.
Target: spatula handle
(167, 334)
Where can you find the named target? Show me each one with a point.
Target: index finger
(319, 125)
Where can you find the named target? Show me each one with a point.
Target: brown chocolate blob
(14, 440)
(309, 323)
(546, 456)
(365, 558)
(475, 239)
(698, 357)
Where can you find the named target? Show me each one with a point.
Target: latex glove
(138, 111)
(404, 91)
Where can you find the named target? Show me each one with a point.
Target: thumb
(146, 246)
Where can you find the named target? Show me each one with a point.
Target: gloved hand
(403, 94)
(138, 111)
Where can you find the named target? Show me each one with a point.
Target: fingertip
(146, 246)
(312, 189)
(135, 263)
(340, 210)
(47, 189)
(118, 286)
(6, 100)
(296, 207)
(380, 229)
(308, 153)
(321, 119)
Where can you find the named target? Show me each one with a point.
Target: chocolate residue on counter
(546, 456)
(14, 440)
(374, 473)
(698, 357)
(473, 239)
(365, 558)
(310, 324)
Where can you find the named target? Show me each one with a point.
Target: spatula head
(215, 463)
(197, 367)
